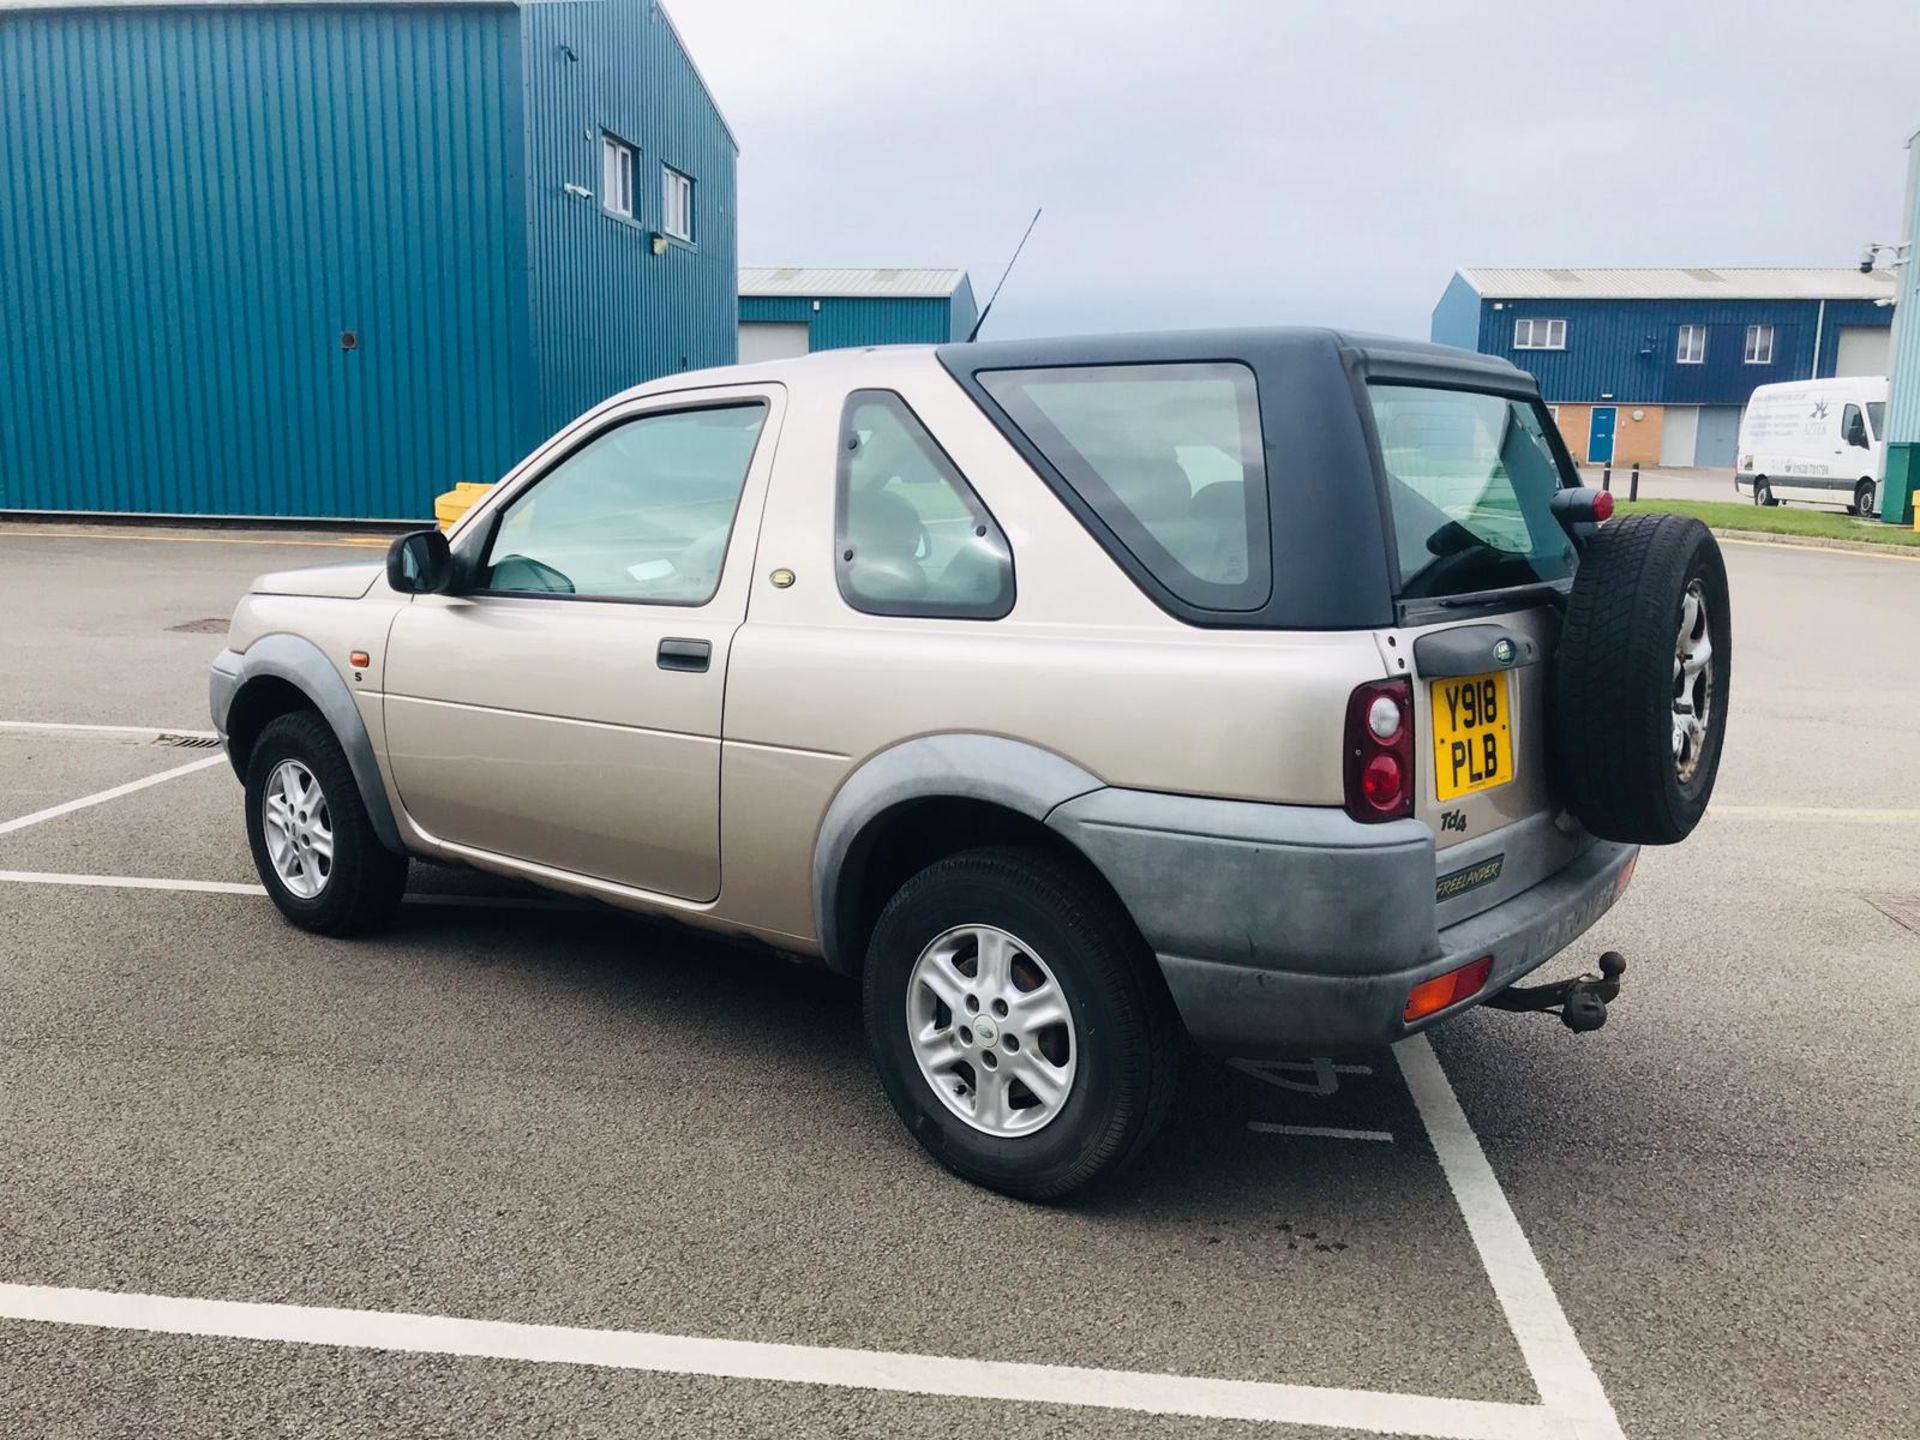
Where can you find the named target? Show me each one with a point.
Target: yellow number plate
(1472, 736)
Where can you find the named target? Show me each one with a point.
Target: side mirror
(420, 563)
(1857, 431)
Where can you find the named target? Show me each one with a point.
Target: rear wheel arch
(918, 803)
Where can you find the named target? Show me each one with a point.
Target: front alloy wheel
(318, 854)
(298, 828)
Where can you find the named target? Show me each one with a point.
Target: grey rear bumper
(1281, 928)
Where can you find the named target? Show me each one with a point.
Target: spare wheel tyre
(1643, 671)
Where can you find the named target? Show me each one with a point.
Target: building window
(1539, 334)
(1759, 344)
(616, 176)
(676, 209)
(1692, 349)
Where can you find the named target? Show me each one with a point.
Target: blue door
(1600, 435)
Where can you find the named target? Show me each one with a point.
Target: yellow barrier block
(448, 508)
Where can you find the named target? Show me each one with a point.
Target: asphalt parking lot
(524, 1167)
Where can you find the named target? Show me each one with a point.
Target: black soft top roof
(1332, 566)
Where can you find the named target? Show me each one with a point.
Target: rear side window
(913, 538)
(1470, 480)
(1168, 458)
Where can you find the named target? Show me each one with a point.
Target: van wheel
(1863, 498)
(315, 848)
(1763, 492)
(1018, 1022)
(1642, 679)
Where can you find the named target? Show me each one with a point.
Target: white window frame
(676, 204)
(616, 175)
(1540, 334)
(1758, 354)
(1690, 348)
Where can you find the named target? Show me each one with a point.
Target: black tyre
(313, 845)
(1763, 492)
(1863, 499)
(1018, 1022)
(1643, 672)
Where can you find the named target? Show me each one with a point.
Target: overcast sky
(1231, 161)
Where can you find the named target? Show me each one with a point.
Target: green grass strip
(1777, 520)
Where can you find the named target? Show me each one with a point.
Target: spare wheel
(1643, 672)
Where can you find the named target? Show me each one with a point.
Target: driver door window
(641, 512)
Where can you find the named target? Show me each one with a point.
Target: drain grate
(1903, 909)
(199, 627)
(189, 742)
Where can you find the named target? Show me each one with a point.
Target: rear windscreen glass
(1168, 457)
(1470, 479)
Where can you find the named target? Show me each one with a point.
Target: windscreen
(1470, 478)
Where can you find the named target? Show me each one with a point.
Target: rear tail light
(1379, 751)
(1448, 989)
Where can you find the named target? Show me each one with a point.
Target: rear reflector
(1448, 989)
(1626, 875)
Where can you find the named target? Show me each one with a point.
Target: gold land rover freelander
(1082, 699)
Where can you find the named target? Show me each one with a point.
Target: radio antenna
(974, 333)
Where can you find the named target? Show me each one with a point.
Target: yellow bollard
(448, 508)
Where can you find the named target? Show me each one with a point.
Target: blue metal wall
(1626, 348)
(606, 313)
(194, 204)
(847, 321)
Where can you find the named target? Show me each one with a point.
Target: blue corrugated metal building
(794, 311)
(1656, 365)
(327, 259)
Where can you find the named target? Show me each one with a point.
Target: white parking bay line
(54, 812)
(1377, 1412)
(1561, 1371)
(1325, 1132)
(129, 882)
(234, 887)
(153, 731)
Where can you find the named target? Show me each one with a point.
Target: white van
(1815, 440)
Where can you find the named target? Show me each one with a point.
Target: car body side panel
(1106, 681)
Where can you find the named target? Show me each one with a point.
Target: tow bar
(1581, 1003)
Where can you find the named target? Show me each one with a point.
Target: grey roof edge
(825, 291)
(1848, 282)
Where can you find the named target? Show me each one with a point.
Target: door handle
(677, 654)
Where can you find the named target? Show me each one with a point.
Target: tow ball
(1581, 1003)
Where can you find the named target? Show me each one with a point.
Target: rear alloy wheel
(1863, 499)
(992, 1030)
(317, 852)
(1018, 1022)
(1763, 492)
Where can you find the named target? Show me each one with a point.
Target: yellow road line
(89, 533)
(1864, 816)
(1871, 554)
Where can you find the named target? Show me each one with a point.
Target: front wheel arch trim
(301, 664)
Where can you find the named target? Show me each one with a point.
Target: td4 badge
(1453, 820)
